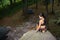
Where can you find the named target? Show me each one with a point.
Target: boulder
(3, 33)
(33, 35)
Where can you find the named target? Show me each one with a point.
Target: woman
(41, 25)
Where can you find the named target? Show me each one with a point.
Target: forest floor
(13, 20)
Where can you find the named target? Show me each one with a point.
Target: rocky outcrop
(33, 35)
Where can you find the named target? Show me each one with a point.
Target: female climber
(41, 25)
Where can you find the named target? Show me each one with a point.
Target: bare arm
(39, 25)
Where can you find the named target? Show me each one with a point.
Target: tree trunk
(52, 6)
(36, 4)
(47, 20)
(47, 8)
(10, 2)
(14, 1)
(25, 6)
(58, 2)
(2, 3)
(47, 15)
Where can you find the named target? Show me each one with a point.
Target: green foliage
(0, 0)
(57, 13)
(9, 10)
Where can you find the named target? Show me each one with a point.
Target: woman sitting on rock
(41, 25)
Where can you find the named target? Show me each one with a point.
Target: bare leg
(43, 28)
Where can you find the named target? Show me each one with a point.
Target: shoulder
(40, 20)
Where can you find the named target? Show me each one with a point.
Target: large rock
(33, 35)
(3, 33)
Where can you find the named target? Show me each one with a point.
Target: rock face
(33, 35)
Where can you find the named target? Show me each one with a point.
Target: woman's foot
(43, 31)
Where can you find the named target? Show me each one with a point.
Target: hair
(41, 14)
